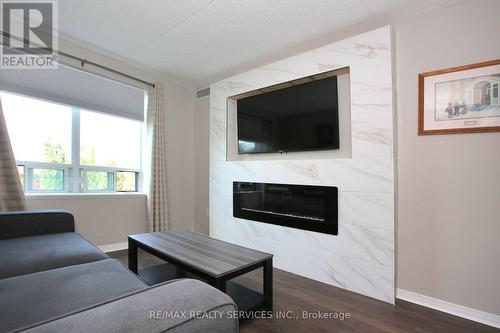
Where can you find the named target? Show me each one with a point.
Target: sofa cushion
(27, 255)
(29, 299)
(195, 307)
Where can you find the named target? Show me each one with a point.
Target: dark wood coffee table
(192, 255)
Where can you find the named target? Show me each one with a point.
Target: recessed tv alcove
(307, 207)
(307, 118)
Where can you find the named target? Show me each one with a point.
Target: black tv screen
(297, 118)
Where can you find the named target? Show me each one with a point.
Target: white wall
(449, 185)
(180, 155)
(201, 164)
(103, 219)
(108, 219)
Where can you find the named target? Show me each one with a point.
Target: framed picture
(461, 99)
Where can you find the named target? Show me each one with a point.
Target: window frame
(28, 175)
(74, 172)
(110, 170)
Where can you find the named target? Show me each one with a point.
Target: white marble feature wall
(361, 257)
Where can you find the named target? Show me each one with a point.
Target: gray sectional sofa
(54, 280)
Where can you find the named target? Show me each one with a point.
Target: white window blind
(77, 88)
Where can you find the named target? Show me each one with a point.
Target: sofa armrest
(177, 306)
(32, 223)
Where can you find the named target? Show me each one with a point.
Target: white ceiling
(200, 41)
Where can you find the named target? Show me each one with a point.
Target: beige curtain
(155, 170)
(11, 191)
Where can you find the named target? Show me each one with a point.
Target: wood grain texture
(295, 293)
(211, 256)
(421, 93)
(368, 315)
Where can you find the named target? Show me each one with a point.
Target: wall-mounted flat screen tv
(299, 117)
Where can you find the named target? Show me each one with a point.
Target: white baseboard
(113, 247)
(451, 308)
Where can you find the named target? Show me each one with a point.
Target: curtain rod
(81, 60)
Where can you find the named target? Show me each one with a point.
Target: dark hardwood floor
(367, 315)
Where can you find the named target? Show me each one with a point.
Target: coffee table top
(209, 255)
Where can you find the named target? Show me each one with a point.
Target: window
(126, 181)
(20, 170)
(46, 180)
(98, 180)
(65, 149)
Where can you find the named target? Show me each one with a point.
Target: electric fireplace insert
(307, 207)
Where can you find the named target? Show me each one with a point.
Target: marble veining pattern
(361, 257)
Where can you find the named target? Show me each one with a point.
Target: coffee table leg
(220, 284)
(132, 256)
(268, 284)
